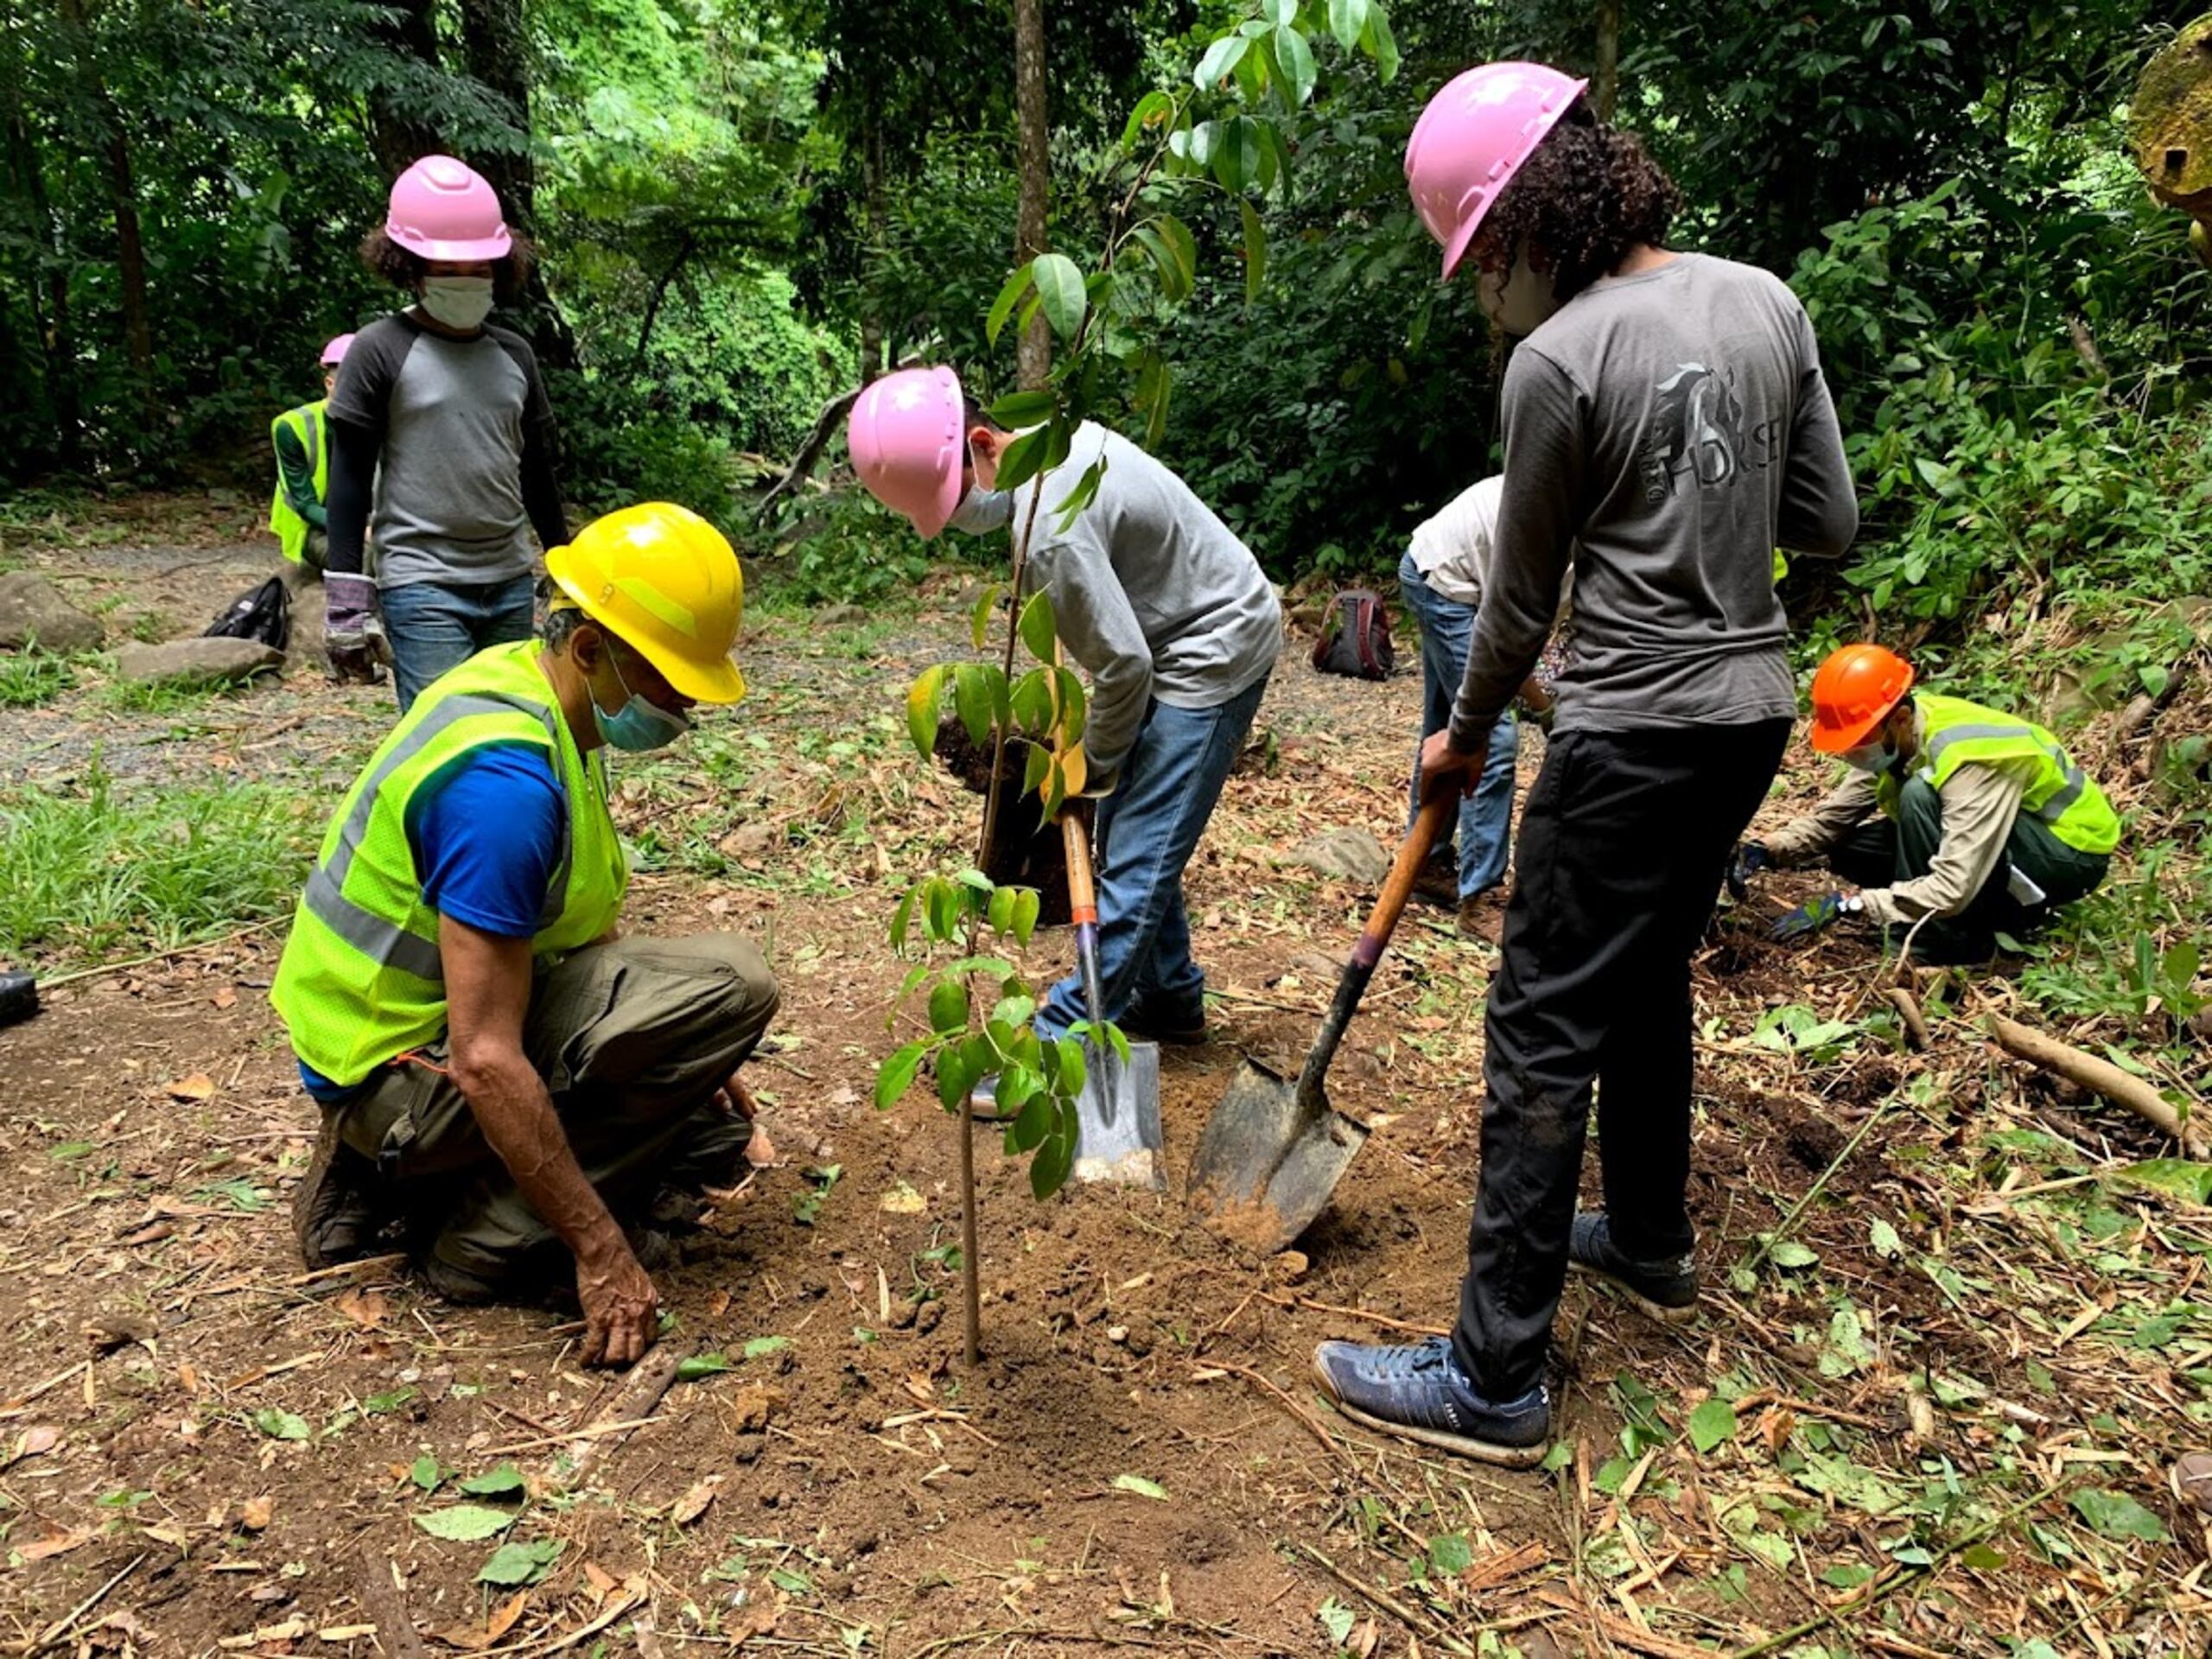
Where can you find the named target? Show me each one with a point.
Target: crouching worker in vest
(499, 1072)
(302, 440)
(1957, 823)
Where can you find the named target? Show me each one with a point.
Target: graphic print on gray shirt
(1667, 431)
(455, 418)
(1152, 594)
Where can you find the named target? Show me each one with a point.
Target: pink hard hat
(906, 443)
(1473, 138)
(445, 209)
(334, 352)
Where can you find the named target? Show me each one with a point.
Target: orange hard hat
(1853, 692)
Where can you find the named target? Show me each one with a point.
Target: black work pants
(1622, 842)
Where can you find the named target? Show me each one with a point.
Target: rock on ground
(196, 662)
(1345, 854)
(33, 611)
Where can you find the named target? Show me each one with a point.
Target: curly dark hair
(1587, 197)
(509, 273)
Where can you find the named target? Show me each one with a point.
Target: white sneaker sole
(1650, 1309)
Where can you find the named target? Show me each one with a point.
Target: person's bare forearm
(516, 1114)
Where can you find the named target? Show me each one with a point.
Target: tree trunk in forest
(1034, 352)
(495, 49)
(57, 342)
(879, 219)
(398, 137)
(123, 195)
(1604, 88)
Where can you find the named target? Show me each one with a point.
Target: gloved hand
(1815, 914)
(1748, 860)
(350, 627)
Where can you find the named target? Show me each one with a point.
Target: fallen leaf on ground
(599, 1578)
(53, 1544)
(693, 1504)
(38, 1438)
(254, 1514)
(198, 1086)
(290, 1630)
(226, 997)
(365, 1308)
(903, 1200)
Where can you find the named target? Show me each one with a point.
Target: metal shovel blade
(1118, 1135)
(1268, 1161)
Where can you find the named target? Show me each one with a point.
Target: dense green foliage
(737, 206)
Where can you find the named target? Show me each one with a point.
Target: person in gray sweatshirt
(1179, 628)
(1667, 425)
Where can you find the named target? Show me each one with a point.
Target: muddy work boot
(336, 1213)
(1667, 1290)
(1437, 882)
(1419, 1392)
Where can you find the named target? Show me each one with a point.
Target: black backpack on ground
(1357, 641)
(265, 615)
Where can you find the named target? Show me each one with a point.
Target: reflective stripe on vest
(306, 424)
(362, 979)
(378, 937)
(1955, 733)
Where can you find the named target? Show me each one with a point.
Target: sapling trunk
(971, 1294)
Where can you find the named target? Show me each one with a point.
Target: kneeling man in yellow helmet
(499, 1071)
(1958, 822)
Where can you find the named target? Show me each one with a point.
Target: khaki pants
(633, 1038)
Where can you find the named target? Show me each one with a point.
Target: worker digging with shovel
(1666, 426)
(1178, 629)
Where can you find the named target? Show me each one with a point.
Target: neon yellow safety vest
(1954, 733)
(361, 980)
(307, 423)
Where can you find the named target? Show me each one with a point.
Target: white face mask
(1520, 301)
(460, 303)
(1875, 758)
(981, 511)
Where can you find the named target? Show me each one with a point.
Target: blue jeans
(1485, 816)
(1147, 829)
(434, 626)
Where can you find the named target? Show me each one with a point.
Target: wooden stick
(62, 1626)
(382, 1600)
(1908, 1007)
(2098, 1077)
(634, 1404)
(1419, 1625)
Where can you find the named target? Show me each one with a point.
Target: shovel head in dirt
(1118, 1114)
(1274, 1150)
(1118, 1111)
(1269, 1160)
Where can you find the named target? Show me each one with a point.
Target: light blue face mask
(981, 511)
(637, 725)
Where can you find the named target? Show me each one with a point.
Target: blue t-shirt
(486, 837)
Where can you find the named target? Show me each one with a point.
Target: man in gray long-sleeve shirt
(1172, 616)
(1666, 426)
(1179, 628)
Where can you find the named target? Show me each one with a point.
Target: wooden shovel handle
(1083, 892)
(1428, 823)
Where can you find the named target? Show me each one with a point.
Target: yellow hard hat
(665, 581)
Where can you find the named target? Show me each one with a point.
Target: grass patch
(94, 873)
(31, 677)
(161, 696)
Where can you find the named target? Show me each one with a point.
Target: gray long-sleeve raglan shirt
(1667, 431)
(1153, 594)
